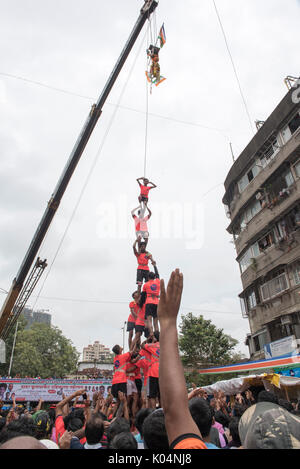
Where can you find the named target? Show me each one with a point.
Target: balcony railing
(274, 287)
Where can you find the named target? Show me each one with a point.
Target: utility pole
(13, 349)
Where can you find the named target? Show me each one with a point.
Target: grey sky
(73, 45)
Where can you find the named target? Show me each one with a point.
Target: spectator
(22, 442)
(124, 440)
(154, 431)
(235, 442)
(139, 420)
(266, 396)
(19, 427)
(120, 425)
(94, 430)
(286, 405)
(269, 426)
(203, 417)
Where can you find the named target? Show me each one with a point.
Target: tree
(201, 342)
(43, 351)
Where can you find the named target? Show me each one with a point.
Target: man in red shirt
(152, 290)
(152, 348)
(119, 381)
(141, 228)
(139, 325)
(134, 309)
(143, 258)
(144, 195)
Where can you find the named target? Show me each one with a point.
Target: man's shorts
(139, 329)
(118, 387)
(142, 275)
(151, 310)
(153, 387)
(142, 198)
(130, 326)
(131, 387)
(139, 385)
(143, 234)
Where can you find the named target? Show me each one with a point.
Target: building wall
(269, 273)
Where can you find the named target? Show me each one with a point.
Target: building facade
(96, 353)
(36, 317)
(262, 200)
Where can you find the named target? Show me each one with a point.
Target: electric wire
(234, 67)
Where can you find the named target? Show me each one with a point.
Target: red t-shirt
(145, 190)
(154, 365)
(141, 223)
(135, 307)
(120, 364)
(144, 363)
(60, 429)
(141, 316)
(152, 288)
(143, 259)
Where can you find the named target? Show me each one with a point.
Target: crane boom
(89, 125)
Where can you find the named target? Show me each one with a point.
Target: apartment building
(262, 200)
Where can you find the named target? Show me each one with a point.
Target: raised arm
(149, 213)
(171, 377)
(134, 248)
(153, 185)
(140, 179)
(133, 211)
(155, 269)
(61, 404)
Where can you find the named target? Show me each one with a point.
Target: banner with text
(49, 390)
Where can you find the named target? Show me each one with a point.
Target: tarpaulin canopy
(279, 362)
(238, 385)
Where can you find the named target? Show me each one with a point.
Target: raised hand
(170, 299)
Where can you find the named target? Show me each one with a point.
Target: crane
(18, 295)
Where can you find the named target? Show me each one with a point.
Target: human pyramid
(142, 358)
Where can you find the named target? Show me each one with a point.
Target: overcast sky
(193, 116)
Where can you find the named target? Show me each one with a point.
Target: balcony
(273, 257)
(293, 145)
(266, 217)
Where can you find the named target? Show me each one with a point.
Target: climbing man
(152, 290)
(143, 258)
(134, 308)
(144, 195)
(141, 227)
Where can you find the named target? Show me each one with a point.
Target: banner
(49, 390)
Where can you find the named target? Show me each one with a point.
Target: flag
(162, 36)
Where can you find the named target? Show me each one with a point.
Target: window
(274, 287)
(289, 178)
(294, 124)
(245, 181)
(251, 300)
(297, 274)
(260, 340)
(251, 253)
